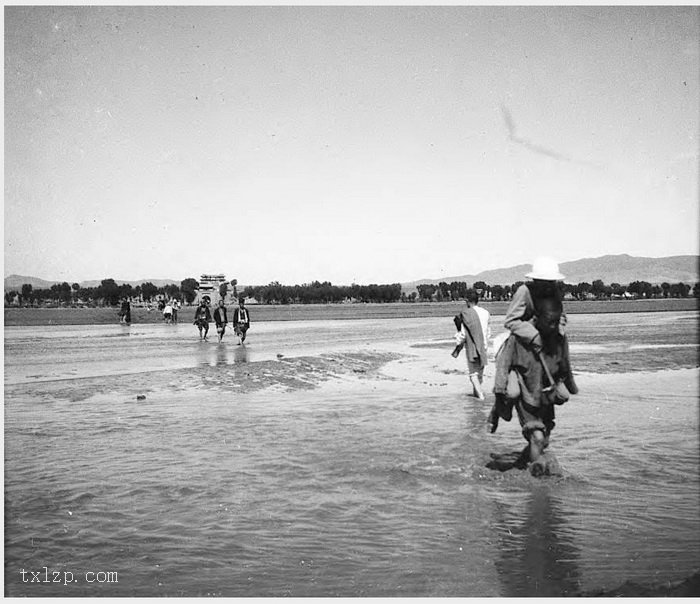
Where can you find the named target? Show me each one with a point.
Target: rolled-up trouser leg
(476, 377)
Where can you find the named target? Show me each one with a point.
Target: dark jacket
(202, 314)
(514, 356)
(475, 342)
(242, 318)
(221, 318)
(524, 307)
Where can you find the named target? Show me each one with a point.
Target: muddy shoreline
(282, 374)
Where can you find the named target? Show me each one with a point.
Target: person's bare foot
(539, 468)
(492, 421)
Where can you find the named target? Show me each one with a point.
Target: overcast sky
(349, 144)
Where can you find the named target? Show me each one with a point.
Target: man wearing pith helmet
(528, 299)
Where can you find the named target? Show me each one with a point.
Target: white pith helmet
(545, 268)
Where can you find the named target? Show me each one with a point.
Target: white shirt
(484, 316)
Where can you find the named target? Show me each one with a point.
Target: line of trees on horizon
(598, 290)
(110, 293)
(324, 292)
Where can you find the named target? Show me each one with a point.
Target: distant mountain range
(622, 269)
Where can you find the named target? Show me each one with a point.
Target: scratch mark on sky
(535, 148)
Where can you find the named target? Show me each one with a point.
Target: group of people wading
(203, 316)
(533, 371)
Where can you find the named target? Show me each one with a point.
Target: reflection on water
(538, 556)
(240, 355)
(220, 354)
(537, 552)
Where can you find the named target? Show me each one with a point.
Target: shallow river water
(341, 458)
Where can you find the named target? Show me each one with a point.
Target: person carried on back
(533, 369)
(527, 299)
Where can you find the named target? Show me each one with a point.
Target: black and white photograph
(351, 301)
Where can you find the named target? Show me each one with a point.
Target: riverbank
(312, 312)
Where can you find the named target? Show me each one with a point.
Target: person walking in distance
(168, 313)
(473, 334)
(202, 317)
(125, 313)
(241, 320)
(221, 319)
